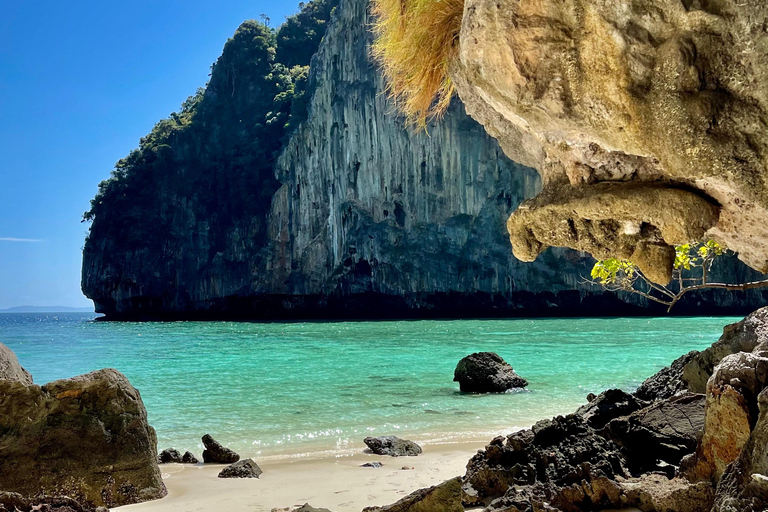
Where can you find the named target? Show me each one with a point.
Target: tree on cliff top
(693, 263)
(231, 129)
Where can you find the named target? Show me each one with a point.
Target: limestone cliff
(666, 102)
(363, 217)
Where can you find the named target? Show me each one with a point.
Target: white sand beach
(339, 484)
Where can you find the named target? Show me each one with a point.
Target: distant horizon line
(50, 309)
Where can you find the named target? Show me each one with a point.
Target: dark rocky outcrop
(445, 497)
(657, 438)
(246, 468)
(309, 508)
(215, 453)
(360, 216)
(189, 458)
(170, 455)
(486, 372)
(13, 502)
(393, 446)
(10, 369)
(669, 381)
(86, 437)
(608, 405)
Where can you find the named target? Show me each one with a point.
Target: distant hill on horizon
(46, 309)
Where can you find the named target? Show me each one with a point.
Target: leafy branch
(693, 263)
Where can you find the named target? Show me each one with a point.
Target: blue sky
(80, 83)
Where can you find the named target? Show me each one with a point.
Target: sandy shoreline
(338, 483)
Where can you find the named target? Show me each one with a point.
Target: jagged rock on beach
(391, 445)
(668, 382)
(658, 437)
(216, 453)
(170, 455)
(445, 497)
(309, 508)
(86, 437)
(246, 468)
(188, 458)
(371, 465)
(608, 405)
(486, 372)
(10, 369)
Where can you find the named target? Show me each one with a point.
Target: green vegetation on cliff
(219, 148)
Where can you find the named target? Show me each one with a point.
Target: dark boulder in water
(216, 453)
(486, 372)
(86, 437)
(246, 468)
(10, 369)
(391, 445)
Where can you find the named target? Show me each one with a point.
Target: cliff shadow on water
(289, 188)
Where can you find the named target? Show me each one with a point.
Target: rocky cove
(357, 216)
(688, 438)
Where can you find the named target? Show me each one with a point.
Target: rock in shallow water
(391, 445)
(486, 372)
(216, 453)
(86, 437)
(246, 468)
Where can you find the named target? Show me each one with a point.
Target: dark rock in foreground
(309, 508)
(216, 453)
(445, 497)
(170, 455)
(391, 445)
(86, 437)
(371, 465)
(246, 468)
(188, 458)
(486, 372)
(662, 433)
(609, 405)
(10, 369)
(13, 502)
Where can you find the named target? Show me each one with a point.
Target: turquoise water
(269, 390)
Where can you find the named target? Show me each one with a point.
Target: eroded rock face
(10, 369)
(445, 497)
(86, 437)
(646, 120)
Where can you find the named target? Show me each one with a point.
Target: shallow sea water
(278, 389)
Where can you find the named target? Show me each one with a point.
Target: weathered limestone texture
(86, 437)
(647, 120)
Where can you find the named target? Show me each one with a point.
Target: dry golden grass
(416, 40)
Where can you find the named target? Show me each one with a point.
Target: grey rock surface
(246, 468)
(486, 372)
(10, 369)
(393, 446)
